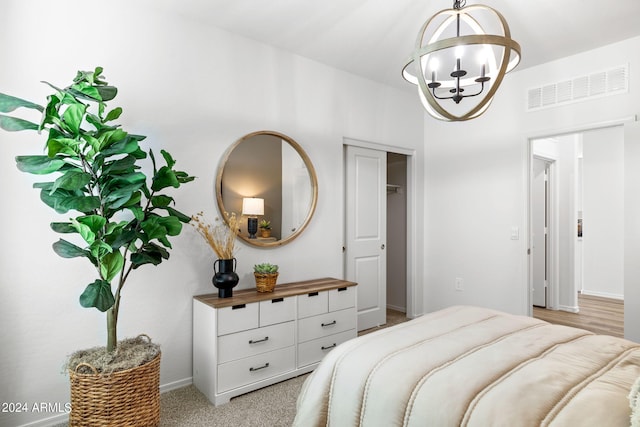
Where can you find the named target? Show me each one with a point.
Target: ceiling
(373, 38)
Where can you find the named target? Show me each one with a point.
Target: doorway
(378, 251)
(582, 251)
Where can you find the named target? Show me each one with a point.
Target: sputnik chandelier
(460, 59)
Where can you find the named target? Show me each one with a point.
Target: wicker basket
(124, 398)
(265, 282)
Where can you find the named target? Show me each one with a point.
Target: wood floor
(599, 315)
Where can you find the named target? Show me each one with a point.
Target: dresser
(255, 339)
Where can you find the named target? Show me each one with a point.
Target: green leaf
(152, 227)
(9, 103)
(149, 254)
(114, 142)
(113, 114)
(111, 265)
(50, 115)
(72, 180)
(62, 227)
(39, 165)
(98, 294)
(95, 222)
(14, 124)
(85, 231)
(176, 213)
(100, 249)
(66, 146)
(107, 93)
(126, 164)
(164, 178)
(171, 224)
(68, 250)
(168, 158)
(72, 117)
(183, 177)
(161, 201)
(64, 200)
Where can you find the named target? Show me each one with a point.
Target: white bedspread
(470, 366)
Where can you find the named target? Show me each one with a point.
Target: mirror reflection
(269, 179)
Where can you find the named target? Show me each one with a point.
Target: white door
(539, 229)
(366, 232)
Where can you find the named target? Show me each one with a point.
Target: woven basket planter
(265, 282)
(124, 398)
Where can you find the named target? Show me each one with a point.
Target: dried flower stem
(222, 237)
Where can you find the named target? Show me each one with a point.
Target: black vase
(225, 277)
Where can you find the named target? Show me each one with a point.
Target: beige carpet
(271, 406)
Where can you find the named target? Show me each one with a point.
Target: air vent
(594, 85)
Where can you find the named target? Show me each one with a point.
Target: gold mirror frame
(312, 178)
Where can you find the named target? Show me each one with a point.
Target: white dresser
(256, 339)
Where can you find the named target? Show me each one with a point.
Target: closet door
(366, 232)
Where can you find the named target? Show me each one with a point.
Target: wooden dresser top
(246, 296)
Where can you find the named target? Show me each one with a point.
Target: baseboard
(570, 309)
(176, 384)
(64, 418)
(48, 422)
(603, 295)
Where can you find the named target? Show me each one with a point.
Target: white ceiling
(373, 38)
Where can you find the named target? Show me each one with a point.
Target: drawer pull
(342, 289)
(266, 365)
(329, 347)
(328, 324)
(277, 300)
(236, 307)
(257, 341)
(313, 294)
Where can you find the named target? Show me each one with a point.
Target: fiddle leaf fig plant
(120, 218)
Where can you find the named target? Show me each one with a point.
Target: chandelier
(460, 58)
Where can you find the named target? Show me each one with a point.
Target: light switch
(515, 233)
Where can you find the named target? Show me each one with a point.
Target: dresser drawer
(342, 298)
(256, 368)
(313, 303)
(311, 328)
(277, 310)
(313, 351)
(255, 341)
(237, 318)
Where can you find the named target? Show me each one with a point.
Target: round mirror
(267, 179)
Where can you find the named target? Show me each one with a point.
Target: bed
(470, 366)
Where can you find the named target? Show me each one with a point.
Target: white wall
(193, 90)
(476, 180)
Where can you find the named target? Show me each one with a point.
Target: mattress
(470, 366)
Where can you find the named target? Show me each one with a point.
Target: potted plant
(266, 275)
(119, 220)
(265, 228)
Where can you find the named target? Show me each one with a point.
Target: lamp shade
(252, 206)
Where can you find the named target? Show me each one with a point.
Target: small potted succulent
(265, 228)
(266, 275)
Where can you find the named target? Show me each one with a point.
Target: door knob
(382, 247)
